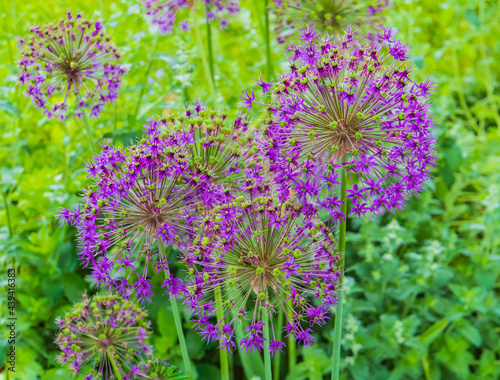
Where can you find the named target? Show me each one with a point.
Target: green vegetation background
(423, 288)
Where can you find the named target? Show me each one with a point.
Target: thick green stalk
(88, 131)
(146, 76)
(337, 332)
(182, 340)
(7, 214)
(178, 327)
(292, 350)
(224, 360)
(268, 42)
(204, 60)
(115, 366)
(267, 354)
(210, 50)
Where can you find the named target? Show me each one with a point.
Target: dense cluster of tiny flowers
(255, 256)
(351, 106)
(103, 335)
(70, 67)
(139, 201)
(327, 15)
(164, 13)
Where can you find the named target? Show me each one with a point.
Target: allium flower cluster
(70, 67)
(103, 335)
(164, 13)
(156, 369)
(351, 106)
(327, 15)
(255, 256)
(139, 199)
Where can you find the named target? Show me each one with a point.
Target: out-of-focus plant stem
(146, 76)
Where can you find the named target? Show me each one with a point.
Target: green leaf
(433, 332)
(471, 333)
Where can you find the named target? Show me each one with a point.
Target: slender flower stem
(337, 334)
(182, 340)
(210, 51)
(268, 42)
(206, 66)
(115, 367)
(267, 353)
(88, 131)
(178, 327)
(224, 360)
(279, 326)
(292, 350)
(146, 76)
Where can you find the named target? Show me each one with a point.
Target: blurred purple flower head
(327, 15)
(352, 106)
(70, 68)
(261, 255)
(157, 369)
(102, 335)
(165, 13)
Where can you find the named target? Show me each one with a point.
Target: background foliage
(423, 289)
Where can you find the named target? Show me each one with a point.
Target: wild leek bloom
(102, 336)
(327, 15)
(164, 13)
(139, 200)
(221, 153)
(351, 106)
(70, 67)
(258, 256)
(156, 369)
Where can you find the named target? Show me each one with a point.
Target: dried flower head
(327, 15)
(70, 67)
(253, 257)
(347, 105)
(103, 336)
(138, 202)
(164, 13)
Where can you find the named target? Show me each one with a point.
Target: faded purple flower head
(101, 330)
(70, 68)
(327, 15)
(352, 106)
(166, 13)
(260, 255)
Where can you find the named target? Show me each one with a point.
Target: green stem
(7, 214)
(268, 42)
(210, 50)
(146, 76)
(203, 55)
(267, 354)
(182, 340)
(178, 327)
(88, 131)
(277, 361)
(224, 360)
(337, 333)
(115, 121)
(292, 350)
(115, 366)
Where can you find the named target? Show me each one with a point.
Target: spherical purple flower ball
(70, 68)
(102, 336)
(164, 13)
(328, 15)
(140, 201)
(253, 257)
(351, 107)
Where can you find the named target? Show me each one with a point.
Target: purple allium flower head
(354, 107)
(327, 15)
(157, 369)
(101, 330)
(140, 201)
(70, 68)
(165, 13)
(263, 255)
